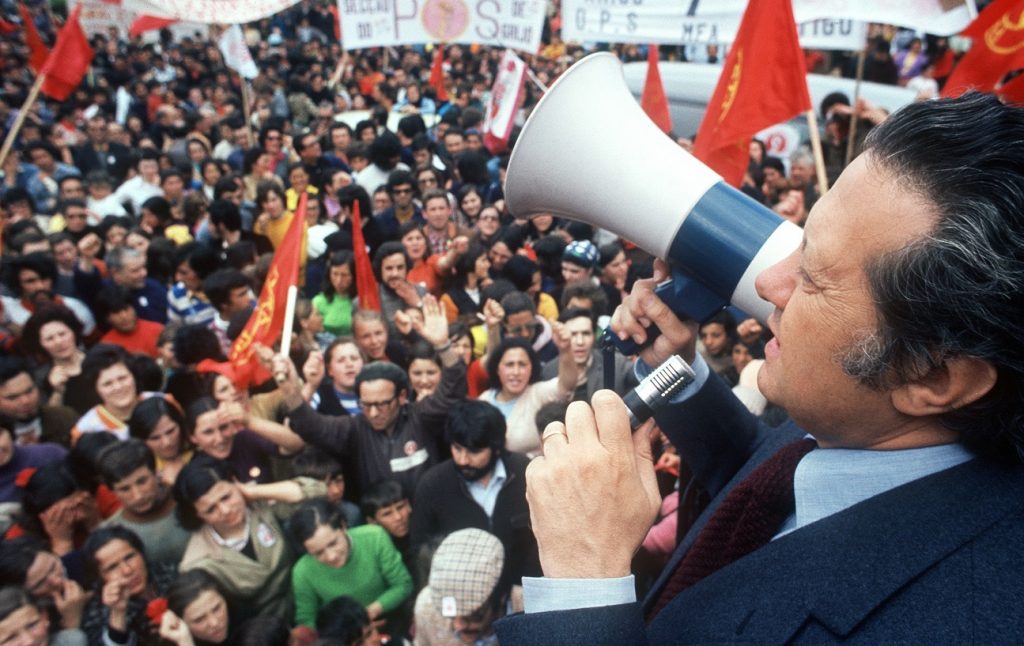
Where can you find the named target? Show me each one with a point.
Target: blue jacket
(934, 561)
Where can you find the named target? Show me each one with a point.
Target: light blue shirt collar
(827, 481)
(487, 495)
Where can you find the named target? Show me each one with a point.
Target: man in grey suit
(899, 347)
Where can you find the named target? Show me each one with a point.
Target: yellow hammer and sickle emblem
(733, 87)
(994, 35)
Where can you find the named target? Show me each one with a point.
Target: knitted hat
(465, 570)
(581, 252)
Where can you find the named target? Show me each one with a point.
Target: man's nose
(776, 283)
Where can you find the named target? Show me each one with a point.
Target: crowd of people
(376, 489)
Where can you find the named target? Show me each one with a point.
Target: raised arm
(452, 389)
(330, 434)
(568, 372)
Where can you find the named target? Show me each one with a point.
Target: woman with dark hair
(361, 563)
(107, 375)
(506, 244)
(113, 229)
(424, 369)
(210, 172)
(159, 422)
(334, 302)
(123, 584)
(139, 239)
(236, 538)
(22, 621)
(516, 389)
(226, 431)
(255, 169)
(426, 267)
(197, 611)
(488, 226)
(461, 301)
(52, 336)
(471, 203)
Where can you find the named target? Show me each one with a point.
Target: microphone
(656, 389)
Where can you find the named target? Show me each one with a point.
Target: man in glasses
(392, 437)
(402, 189)
(520, 319)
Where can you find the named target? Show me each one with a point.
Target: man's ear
(403, 397)
(958, 382)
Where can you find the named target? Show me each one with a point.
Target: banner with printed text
(822, 24)
(515, 24)
(209, 11)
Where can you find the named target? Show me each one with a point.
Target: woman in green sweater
(361, 563)
(335, 301)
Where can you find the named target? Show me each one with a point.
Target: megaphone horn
(589, 153)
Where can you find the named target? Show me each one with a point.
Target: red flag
(437, 74)
(145, 23)
(997, 48)
(366, 283)
(267, 319)
(69, 59)
(1013, 90)
(763, 83)
(653, 99)
(7, 27)
(38, 49)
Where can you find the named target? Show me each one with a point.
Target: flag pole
(247, 109)
(536, 79)
(286, 333)
(819, 156)
(852, 137)
(33, 94)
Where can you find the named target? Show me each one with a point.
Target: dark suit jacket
(934, 561)
(116, 161)
(444, 505)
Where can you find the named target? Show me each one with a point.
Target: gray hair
(117, 256)
(959, 290)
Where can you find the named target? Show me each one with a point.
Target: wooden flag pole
(819, 156)
(851, 142)
(33, 94)
(247, 109)
(286, 333)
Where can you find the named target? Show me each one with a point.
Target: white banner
(832, 33)
(209, 11)
(236, 53)
(676, 22)
(98, 16)
(514, 24)
(501, 109)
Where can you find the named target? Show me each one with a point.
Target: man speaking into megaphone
(890, 508)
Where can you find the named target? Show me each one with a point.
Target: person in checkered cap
(466, 593)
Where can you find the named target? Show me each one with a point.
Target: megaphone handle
(685, 296)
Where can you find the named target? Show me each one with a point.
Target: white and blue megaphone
(588, 152)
